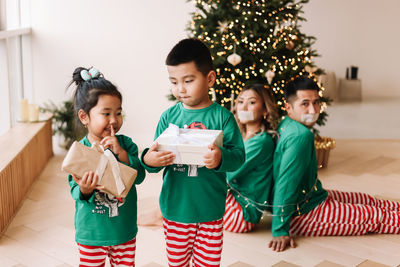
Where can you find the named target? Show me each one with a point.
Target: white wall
(126, 40)
(364, 33)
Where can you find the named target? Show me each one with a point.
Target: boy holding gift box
(193, 206)
(105, 226)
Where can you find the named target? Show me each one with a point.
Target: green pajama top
(188, 199)
(253, 180)
(297, 189)
(102, 220)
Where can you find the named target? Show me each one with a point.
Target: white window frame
(15, 61)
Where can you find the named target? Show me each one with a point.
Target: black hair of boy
(300, 83)
(87, 93)
(188, 50)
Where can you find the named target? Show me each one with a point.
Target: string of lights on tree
(254, 41)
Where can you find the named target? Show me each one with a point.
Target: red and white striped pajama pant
(348, 213)
(201, 242)
(233, 218)
(119, 255)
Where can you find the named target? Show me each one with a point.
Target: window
(15, 60)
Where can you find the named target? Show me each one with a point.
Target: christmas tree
(254, 41)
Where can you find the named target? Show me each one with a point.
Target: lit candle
(23, 110)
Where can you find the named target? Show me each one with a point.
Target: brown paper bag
(81, 159)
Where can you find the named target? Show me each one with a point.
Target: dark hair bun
(76, 75)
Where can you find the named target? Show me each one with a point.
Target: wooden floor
(42, 233)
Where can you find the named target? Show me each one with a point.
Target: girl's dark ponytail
(76, 76)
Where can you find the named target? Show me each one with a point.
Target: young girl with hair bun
(250, 186)
(105, 226)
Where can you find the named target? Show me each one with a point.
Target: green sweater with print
(253, 180)
(297, 189)
(102, 220)
(188, 199)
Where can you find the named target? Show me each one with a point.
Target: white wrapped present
(188, 145)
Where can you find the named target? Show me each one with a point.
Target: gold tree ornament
(310, 69)
(234, 59)
(290, 45)
(270, 75)
(222, 26)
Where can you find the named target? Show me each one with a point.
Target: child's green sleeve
(161, 126)
(134, 162)
(233, 154)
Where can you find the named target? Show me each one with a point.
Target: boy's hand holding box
(188, 145)
(116, 177)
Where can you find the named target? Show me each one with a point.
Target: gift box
(116, 177)
(188, 145)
